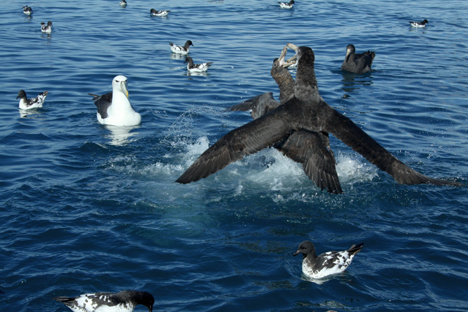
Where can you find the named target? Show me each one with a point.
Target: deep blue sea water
(88, 208)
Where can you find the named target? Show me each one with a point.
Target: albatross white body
(114, 108)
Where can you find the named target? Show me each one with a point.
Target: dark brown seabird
(306, 110)
(311, 149)
(357, 63)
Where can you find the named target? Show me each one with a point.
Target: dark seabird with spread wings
(306, 110)
(311, 149)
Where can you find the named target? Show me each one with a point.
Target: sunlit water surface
(88, 208)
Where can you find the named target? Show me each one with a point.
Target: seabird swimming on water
(286, 5)
(153, 12)
(181, 49)
(114, 108)
(27, 10)
(196, 68)
(36, 102)
(328, 263)
(46, 28)
(311, 149)
(419, 24)
(306, 110)
(357, 63)
(123, 3)
(124, 301)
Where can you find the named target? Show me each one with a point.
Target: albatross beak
(123, 87)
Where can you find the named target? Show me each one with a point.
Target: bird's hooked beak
(123, 87)
(296, 253)
(282, 56)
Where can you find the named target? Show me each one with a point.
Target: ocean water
(88, 208)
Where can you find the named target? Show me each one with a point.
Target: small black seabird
(25, 103)
(27, 10)
(286, 5)
(114, 108)
(162, 13)
(185, 49)
(328, 263)
(357, 63)
(306, 110)
(196, 68)
(46, 28)
(419, 24)
(311, 149)
(124, 301)
(123, 3)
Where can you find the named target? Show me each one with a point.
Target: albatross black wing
(259, 105)
(102, 103)
(310, 149)
(248, 139)
(349, 133)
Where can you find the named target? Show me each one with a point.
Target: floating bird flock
(184, 50)
(153, 12)
(25, 103)
(46, 28)
(357, 63)
(124, 301)
(306, 110)
(419, 24)
(328, 263)
(114, 108)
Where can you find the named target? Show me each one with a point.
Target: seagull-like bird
(306, 110)
(162, 13)
(328, 263)
(124, 301)
(185, 49)
(196, 68)
(46, 28)
(25, 103)
(419, 24)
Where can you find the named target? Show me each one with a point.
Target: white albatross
(114, 108)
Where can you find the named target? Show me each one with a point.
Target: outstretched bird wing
(349, 133)
(245, 140)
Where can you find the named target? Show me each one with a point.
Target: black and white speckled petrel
(328, 263)
(309, 148)
(25, 103)
(46, 28)
(185, 49)
(161, 13)
(123, 3)
(419, 24)
(124, 301)
(357, 63)
(27, 10)
(286, 5)
(196, 68)
(306, 110)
